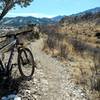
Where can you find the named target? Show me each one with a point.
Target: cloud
(39, 15)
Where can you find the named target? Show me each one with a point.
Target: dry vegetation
(79, 43)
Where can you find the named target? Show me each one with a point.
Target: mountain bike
(25, 60)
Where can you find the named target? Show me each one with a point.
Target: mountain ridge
(20, 20)
(88, 15)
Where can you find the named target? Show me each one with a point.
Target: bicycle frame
(5, 70)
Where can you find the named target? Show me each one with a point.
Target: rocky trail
(52, 79)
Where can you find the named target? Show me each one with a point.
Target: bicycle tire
(21, 60)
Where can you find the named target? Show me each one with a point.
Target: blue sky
(51, 8)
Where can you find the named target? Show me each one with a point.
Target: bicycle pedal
(24, 63)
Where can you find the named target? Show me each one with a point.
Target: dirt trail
(57, 81)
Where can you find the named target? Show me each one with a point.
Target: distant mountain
(20, 21)
(90, 15)
(57, 18)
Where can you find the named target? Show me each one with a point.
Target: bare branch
(6, 5)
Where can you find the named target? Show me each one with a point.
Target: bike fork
(9, 66)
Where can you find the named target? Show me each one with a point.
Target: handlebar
(14, 35)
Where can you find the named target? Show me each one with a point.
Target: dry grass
(87, 71)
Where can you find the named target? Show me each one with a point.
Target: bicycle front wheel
(26, 63)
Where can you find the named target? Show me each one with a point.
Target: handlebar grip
(7, 35)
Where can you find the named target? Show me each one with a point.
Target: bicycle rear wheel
(26, 63)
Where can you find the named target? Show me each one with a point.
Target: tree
(6, 5)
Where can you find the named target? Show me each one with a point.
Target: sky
(51, 8)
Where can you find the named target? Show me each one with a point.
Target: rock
(17, 98)
(35, 96)
(44, 81)
(4, 98)
(27, 91)
(11, 97)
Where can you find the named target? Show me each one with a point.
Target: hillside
(86, 22)
(77, 37)
(87, 15)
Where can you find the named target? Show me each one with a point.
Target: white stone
(4, 98)
(17, 98)
(28, 91)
